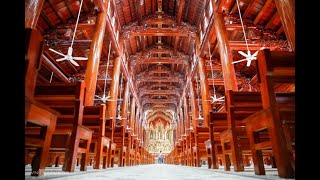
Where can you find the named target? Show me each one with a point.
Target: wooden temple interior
(146, 76)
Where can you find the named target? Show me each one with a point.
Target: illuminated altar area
(159, 137)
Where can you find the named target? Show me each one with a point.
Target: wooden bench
(61, 140)
(261, 123)
(119, 136)
(68, 100)
(274, 69)
(43, 117)
(246, 103)
(112, 154)
(94, 117)
(218, 124)
(132, 156)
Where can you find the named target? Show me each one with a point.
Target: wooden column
(132, 113)
(92, 68)
(124, 114)
(194, 105)
(181, 123)
(124, 109)
(136, 124)
(186, 112)
(230, 83)
(195, 112)
(32, 12)
(112, 106)
(33, 51)
(101, 134)
(229, 76)
(286, 10)
(205, 94)
(33, 45)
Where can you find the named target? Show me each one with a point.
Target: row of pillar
(34, 50)
(230, 82)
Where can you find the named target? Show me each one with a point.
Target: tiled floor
(154, 172)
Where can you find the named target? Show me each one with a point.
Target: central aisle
(164, 172)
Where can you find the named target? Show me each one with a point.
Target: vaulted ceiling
(159, 45)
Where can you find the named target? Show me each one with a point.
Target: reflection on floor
(154, 172)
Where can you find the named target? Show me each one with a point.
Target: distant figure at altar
(160, 158)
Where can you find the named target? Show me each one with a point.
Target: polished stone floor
(154, 172)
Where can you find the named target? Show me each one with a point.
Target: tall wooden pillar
(194, 105)
(33, 51)
(112, 106)
(132, 115)
(205, 94)
(229, 76)
(286, 10)
(187, 126)
(124, 109)
(136, 121)
(33, 45)
(32, 12)
(186, 112)
(92, 68)
(195, 113)
(124, 114)
(230, 83)
(181, 117)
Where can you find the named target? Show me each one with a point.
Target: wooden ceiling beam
(165, 92)
(262, 11)
(238, 27)
(70, 8)
(160, 60)
(56, 10)
(214, 68)
(187, 10)
(158, 101)
(123, 12)
(210, 35)
(47, 19)
(143, 43)
(138, 11)
(217, 82)
(159, 32)
(179, 19)
(280, 30)
(42, 79)
(234, 9)
(270, 22)
(246, 13)
(241, 45)
(158, 79)
(131, 13)
(162, 21)
(47, 62)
